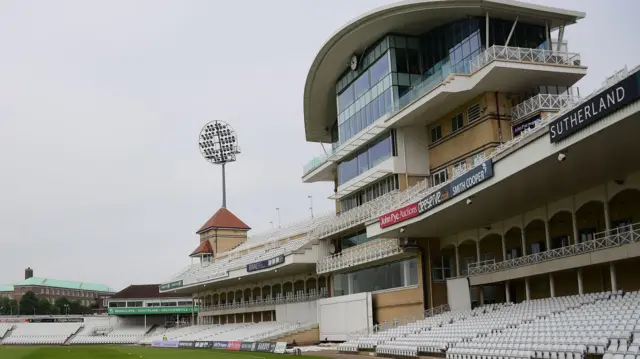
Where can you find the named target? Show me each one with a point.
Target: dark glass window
(345, 99)
(379, 70)
(456, 122)
(366, 158)
(436, 133)
(362, 85)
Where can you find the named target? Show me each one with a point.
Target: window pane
(345, 99)
(361, 85)
(380, 151)
(380, 69)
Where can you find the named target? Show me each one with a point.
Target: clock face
(354, 62)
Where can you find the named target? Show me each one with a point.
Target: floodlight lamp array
(218, 143)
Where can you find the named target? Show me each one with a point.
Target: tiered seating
(42, 333)
(554, 328)
(177, 333)
(121, 334)
(4, 328)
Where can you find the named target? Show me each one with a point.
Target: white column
(580, 287)
(614, 280)
(574, 223)
(478, 250)
(504, 247)
(607, 219)
(487, 30)
(507, 291)
(524, 241)
(552, 285)
(458, 272)
(527, 290)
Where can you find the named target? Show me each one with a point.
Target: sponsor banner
(234, 345)
(265, 347)
(171, 285)
(471, 178)
(520, 127)
(399, 215)
(165, 343)
(203, 345)
(186, 344)
(433, 199)
(220, 345)
(248, 346)
(280, 347)
(596, 108)
(252, 267)
(153, 310)
(55, 320)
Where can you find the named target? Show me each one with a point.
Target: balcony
(603, 240)
(365, 253)
(317, 162)
(542, 102)
(279, 299)
(447, 75)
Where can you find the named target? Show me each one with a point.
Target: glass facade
(387, 276)
(354, 240)
(398, 69)
(369, 193)
(366, 158)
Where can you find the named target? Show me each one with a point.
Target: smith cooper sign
(457, 186)
(596, 108)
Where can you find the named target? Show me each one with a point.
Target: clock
(354, 62)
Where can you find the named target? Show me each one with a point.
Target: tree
(5, 307)
(44, 307)
(28, 303)
(62, 304)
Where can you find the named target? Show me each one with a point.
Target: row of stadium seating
(555, 328)
(79, 333)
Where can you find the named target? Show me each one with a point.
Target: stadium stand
(42, 333)
(4, 328)
(119, 334)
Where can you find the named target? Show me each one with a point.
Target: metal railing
(293, 298)
(519, 54)
(317, 161)
(603, 240)
(542, 102)
(364, 253)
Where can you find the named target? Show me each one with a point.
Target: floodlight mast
(219, 145)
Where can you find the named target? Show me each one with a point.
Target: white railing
(280, 299)
(519, 54)
(542, 102)
(364, 253)
(603, 240)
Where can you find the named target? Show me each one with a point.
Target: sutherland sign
(152, 310)
(457, 186)
(596, 108)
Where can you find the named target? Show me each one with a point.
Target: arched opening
(256, 293)
(491, 248)
(590, 220)
(207, 300)
(561, 230)
(216, 299)
(535, 236)
(247, 295)
(624, 209)
(468, 255)
(238, 296)
(266, 292)
(298, 287)
(311, 286)
(322, 285)
(513, 243)
(223, 298)
(443, 264)
(287, 289)
(276, 291)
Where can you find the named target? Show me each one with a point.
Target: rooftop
(6, 288)
(223, 219)
(204, 247)
(54, 283)
(142, 291)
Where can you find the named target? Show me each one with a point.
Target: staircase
(68, 341)
(7, 335)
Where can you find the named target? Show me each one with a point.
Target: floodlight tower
(219, 145)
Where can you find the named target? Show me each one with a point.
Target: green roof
(45, 282)
(6, 288)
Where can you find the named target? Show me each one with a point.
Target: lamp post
(279, 224)
(311, 205)
(219, 146)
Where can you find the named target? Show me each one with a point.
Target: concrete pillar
(580, 285)
(552, 285)
(478, 250)
(504, 247)
(607, 219)
(523, 236)
(527, 289)
(574, 223)
(614, 280)
(547, 234)
(507, 291)
(458, 272)
(481, 295)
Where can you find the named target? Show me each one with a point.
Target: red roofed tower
(222, 232)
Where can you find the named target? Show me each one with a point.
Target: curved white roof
(408, 17)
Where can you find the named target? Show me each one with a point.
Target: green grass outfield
(125, 352)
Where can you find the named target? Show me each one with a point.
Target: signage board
(399, 215)
(433, 199)
(233, 345)
(220, 345)
(522, 126)
(280, 347)
(265, 347)
(153, 310)
(165, 343)
(203, 345)
(595, 108)
(186, 344)
(55, 320)
(171, 285)
(471, 178)
(248, 346)
(256, 266)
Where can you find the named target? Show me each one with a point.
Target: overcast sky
(101, 103)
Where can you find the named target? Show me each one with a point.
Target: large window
(354, 240)
(367, 158)
(441, 268)
(387, 276)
